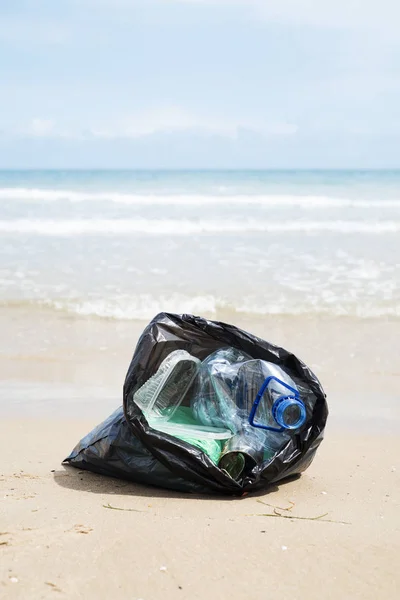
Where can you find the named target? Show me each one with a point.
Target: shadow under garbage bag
(208, 407)
(86, 481)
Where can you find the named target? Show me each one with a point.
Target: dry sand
(58, 538)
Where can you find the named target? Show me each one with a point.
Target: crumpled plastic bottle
(213, 401)
(257, 400)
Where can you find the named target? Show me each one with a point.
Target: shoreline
(50, 362)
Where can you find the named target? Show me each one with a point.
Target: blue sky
(199, 83)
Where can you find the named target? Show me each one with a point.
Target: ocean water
(128, 244)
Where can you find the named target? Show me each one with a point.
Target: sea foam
(300, 201)
(181, 227)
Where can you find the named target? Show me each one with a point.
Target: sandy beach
(59, 534)
(235, 160)
(61, 530)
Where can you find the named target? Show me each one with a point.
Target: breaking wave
(305, 201)
(74, 227)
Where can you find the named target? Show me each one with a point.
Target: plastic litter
(208, 407)
(185, 427)
(255, 398)
(161, 394)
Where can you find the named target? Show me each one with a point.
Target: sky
(199, 84)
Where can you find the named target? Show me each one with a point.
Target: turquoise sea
(128, 244)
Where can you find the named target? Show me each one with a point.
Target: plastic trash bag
(112, 449)
(126, 446)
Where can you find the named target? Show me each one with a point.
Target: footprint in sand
(81, 529)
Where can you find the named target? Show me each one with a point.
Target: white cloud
(176, 120)
(167, 120)
(41, 128)
(328, 13)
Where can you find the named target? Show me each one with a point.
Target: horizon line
(201, 169)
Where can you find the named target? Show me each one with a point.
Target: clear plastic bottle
(234, 389)
(257, 400)
(268, 396)
(213, 401)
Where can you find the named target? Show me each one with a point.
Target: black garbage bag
(125, 446)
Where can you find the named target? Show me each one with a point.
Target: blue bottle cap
(285, 407)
